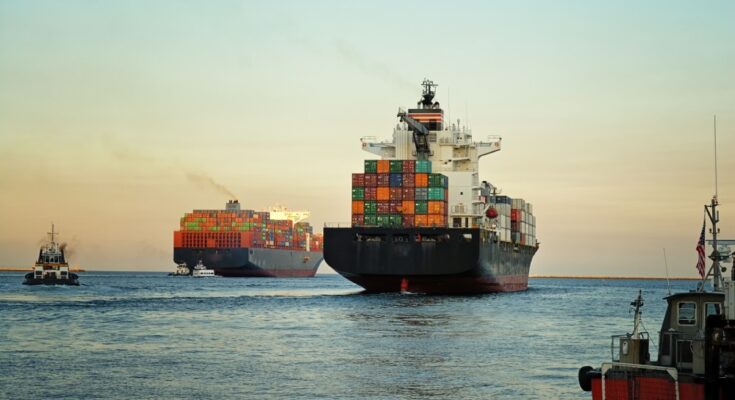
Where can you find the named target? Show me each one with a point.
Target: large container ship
(248, 243)
(422, 221)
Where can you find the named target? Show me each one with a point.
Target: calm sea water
(147, 335)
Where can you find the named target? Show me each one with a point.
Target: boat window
(711, 309)
(687, 313)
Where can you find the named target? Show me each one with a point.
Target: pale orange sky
(605, 112)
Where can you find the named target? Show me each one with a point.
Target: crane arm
(420, 135)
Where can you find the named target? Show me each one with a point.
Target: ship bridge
(451, 149)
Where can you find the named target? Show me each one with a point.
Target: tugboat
(200, 271)
(51, 267)
(181, 270)
(696, 347)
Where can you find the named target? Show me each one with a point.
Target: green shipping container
(382, 220)
(396, 220)
(213, 228)
(370, 220)
(423, 166)
(192, 224)
(436, 193)
(358, 193)
(371, 166)
(422, 207)
(396, 166)
(371, 207)
(437, 180)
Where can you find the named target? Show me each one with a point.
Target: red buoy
(491, 213)
(404, 285)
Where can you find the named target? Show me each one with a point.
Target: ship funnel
(232, 205)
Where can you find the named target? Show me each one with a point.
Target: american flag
(700, 252)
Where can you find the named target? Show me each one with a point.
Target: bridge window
(687, 313)
(711, 309)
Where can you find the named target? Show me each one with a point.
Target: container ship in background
(247, 243)
(423, 222)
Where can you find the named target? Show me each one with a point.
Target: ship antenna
(714, 217)
(716, 183)
(666, 264)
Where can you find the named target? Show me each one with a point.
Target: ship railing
(608, 366)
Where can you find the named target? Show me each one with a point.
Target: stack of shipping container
(399, 193)
(234, 228)
(515, 221)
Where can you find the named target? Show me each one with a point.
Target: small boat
(200, 271)
(51, 267)
(181, 270)
(696, 346)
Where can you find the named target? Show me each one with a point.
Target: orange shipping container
(436, 220)
(178, 241)
(383, 193)
(437, 207)
(422, 180)
(358, 207)
(211, 243)
(383, 166)
(408, 207)
(421, 220)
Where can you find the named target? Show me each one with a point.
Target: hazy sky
(107, 110)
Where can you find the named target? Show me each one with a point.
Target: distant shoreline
(643, 278)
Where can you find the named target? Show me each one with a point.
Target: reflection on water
(153, 336)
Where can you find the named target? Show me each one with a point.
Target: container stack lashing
(399, 193)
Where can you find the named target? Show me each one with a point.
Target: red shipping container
(358, 180)
(357, 219)
(383, 166)
(409, 180)
(408, 207)
(371, 180)
(383, 180)
(409, 166)
(515, 214)
(211, 243)
(408, 220)
(422, 180)
(246, 239)
(408, 193)
(396, 193)
(371, 193)
(382, 207)
(383, 193)
(178, 239)
(396, 207)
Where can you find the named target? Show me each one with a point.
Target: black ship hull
(72, 280)
(252, 262)
(427, 260)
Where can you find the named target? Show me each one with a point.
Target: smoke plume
(68, 252)
(209, 182)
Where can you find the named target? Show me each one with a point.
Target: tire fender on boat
(585, 381)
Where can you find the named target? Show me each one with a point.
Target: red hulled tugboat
(696, 348)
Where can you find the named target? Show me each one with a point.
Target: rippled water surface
(147, 335)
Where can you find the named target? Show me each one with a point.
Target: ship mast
(714, 218)
(52, 233)
(715, 270)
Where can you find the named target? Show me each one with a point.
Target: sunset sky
(112, 114)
